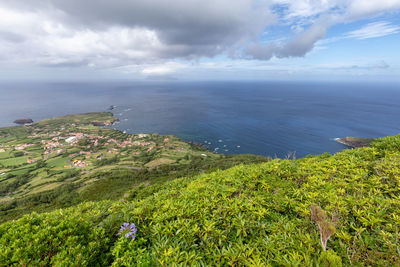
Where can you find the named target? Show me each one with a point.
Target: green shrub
(63, 238)
(106, 161)
(249, 215)
(18, 154)
(7, 187)
(330, 259)
(69, 174)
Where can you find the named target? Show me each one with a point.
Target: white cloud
(164, 69)
(130, 31)
(45, 41)
(158, 70)
(103, 34)
(370, 30)
(307, 8)
(316, 17)
(361, 8)
(373, 30)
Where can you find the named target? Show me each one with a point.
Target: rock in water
(23, 121)
(355, 142)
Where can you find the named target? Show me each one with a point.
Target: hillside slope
(249, 215)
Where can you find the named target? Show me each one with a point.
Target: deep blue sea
(265, 118)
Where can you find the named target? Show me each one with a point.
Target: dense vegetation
(269, 213)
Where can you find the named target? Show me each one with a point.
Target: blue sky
(341, 40)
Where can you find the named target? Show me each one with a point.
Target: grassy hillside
(63, 161)
(250, 215)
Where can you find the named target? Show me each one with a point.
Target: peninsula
(355, 142)
(66, 160)
(23, 121)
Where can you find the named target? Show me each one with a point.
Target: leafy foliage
(65, 238)
(249, 215)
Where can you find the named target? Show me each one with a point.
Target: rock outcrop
(23, 121)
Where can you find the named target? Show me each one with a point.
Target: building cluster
(60, 140)
(50, 144)
(128, 143)
(79, 163)
(22, 147)
(74, 138)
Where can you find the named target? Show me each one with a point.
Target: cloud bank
(103, 33)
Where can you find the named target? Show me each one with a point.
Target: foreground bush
(75, 236)
(248, 215)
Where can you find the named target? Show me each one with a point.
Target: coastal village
(59, 143)
(47, 150)
(62, 141)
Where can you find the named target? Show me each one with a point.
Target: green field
(9, 162)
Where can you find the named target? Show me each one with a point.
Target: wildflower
(128, 230)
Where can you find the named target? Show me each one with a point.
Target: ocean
(266, 118)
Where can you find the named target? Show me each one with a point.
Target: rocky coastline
(355, 142)
(23, 121)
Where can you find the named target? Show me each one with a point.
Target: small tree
(326, 228)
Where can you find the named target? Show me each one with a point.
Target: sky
(340, 40)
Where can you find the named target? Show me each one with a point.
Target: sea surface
(265, 118)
